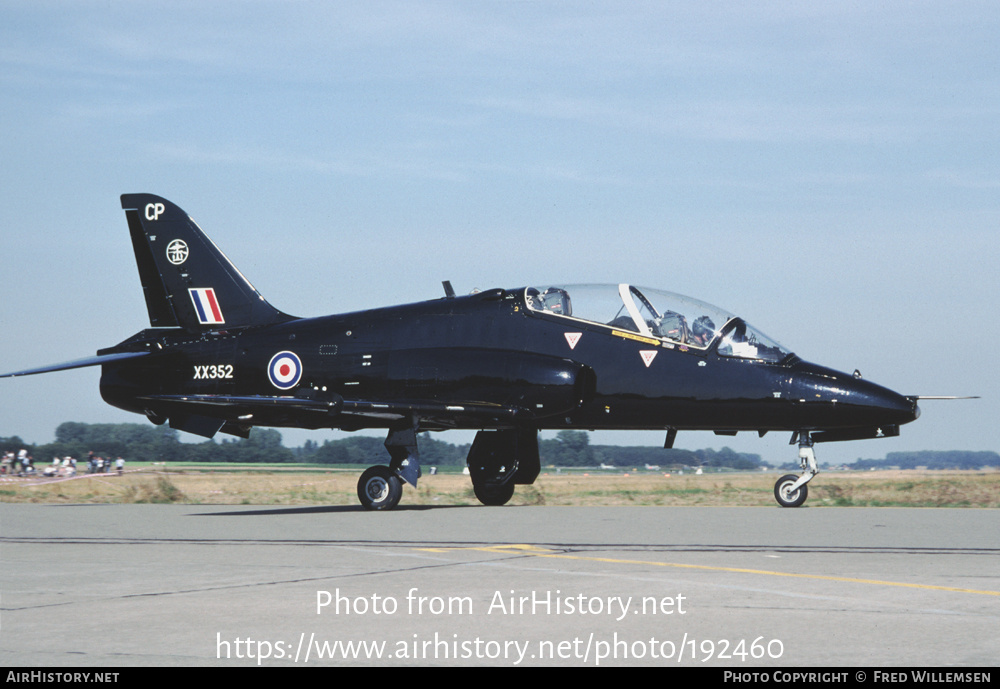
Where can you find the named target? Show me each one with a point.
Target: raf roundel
(285, 370)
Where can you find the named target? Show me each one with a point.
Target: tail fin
(186, 280)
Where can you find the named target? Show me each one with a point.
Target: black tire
(786, 499)
(494, 496)
(379, 488)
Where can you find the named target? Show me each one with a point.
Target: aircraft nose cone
(891, 405)
(858, 401)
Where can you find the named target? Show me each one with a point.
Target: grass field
(305, 486)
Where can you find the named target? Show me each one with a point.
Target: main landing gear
(500, 459)
(497, 461)
(380, 487)
(494, 496)
(791, 490)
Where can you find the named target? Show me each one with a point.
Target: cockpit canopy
(671, 318)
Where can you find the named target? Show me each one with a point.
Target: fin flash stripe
(206, 306)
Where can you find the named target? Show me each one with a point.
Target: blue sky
(828, 172)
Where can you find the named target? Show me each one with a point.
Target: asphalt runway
(134, 585)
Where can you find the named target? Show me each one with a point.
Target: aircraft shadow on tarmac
(319, 509)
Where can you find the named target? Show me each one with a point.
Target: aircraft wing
(77, 363)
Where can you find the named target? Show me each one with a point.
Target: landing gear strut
(790, 490)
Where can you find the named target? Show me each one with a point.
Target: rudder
(186, 280)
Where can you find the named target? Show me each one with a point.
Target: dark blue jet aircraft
(506, 362)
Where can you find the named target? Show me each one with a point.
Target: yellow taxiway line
(535, 551)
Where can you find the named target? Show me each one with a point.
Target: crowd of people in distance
(22, 464)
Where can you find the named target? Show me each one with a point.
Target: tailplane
(186, 280)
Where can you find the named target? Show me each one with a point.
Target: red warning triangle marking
(572, 339)
(647, 356)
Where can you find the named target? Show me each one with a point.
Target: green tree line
(953, 459)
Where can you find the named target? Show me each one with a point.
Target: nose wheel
(791, 490)
(786, 495)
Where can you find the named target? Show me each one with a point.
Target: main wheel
(494, 495)
(379, 488)
(786, 499)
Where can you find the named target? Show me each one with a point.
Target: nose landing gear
(791, 490)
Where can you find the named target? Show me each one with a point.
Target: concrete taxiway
(128, 585)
